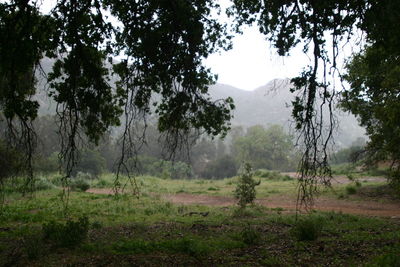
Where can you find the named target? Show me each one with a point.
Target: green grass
(150, 231)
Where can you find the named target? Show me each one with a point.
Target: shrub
(351, 190)
(70, 234)
(245, 190)
(43, 184)
(102, 183)
(79, 184)
(308, 229)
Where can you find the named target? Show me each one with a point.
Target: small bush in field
(308, 229)
(79, 184)
(43, 184)
(245, 190)
(70, 234)
(351, 190)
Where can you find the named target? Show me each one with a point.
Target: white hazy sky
(253, 62)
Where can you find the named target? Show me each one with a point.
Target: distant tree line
(264, 148)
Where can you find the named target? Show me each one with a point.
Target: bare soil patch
(370, 208)
(365, 206)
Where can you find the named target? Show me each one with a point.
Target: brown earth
(360, 207)
(369, 207)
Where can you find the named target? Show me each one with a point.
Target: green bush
(245, 190)
(308, 229)
(79, 184)
(351, 190)
(102, 183)
(43, 184)
(70, 234)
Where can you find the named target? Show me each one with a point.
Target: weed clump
(70, 234)
(245, 190)
(308, 229)
(250, 236)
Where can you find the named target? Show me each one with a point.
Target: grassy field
(108, 230)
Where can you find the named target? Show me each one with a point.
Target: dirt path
(364, 207)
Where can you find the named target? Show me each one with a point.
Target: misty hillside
(266, 105)
(270, 104)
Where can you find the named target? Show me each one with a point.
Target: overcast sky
(253, 62)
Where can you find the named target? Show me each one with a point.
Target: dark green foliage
(90, 162)
(374, 79)
(48, 164)
(349, 155)
(69, 234)
(351, 189)
(308, 229)
(250, 236)
(222, 167)
(189, 246)
(161, 168)
(10, 161)
(269, 148)
(33, 246)
(245, 190)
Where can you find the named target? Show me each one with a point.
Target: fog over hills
(266, 105)
(271, 104)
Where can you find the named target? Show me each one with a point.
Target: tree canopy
(161, 45)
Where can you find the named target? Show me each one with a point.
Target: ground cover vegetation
(105, 228)
(156, 96)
